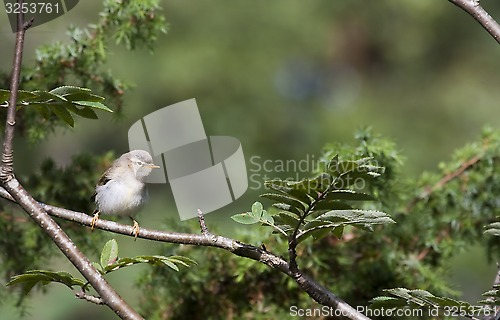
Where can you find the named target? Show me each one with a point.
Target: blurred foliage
(287, 76)
(60, 103)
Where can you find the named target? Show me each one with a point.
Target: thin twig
(34, 209)
(203, 226)
(443, 181)
(474, 8)
(319, 293)
(88, 297)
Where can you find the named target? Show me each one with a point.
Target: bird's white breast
(120, 197)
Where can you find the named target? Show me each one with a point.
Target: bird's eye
(139, 163)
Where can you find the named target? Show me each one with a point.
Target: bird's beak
(152, 166)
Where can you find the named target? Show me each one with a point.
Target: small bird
(121, 189)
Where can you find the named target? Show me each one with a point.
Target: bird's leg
(135, 230)
(94, 220)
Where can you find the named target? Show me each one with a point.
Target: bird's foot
(135, 229)
(94, 220)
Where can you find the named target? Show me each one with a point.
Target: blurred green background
(285, 77)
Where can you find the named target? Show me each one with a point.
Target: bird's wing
(102, 181)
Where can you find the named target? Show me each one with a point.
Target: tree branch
(474, 8)
(319, 293)
(444, 180)
(7, 179)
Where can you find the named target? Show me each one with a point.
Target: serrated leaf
(93, 104)
(357, 217)
(185, 261)
(64, 90)
(109, 253)
(171, 265)
(332, 205)
(493, 229)
(245, 218)
(357, 177)
(33, 277)
(348, 195)
(286, 218)
(317, 229)
(289, 188)
(387, 302)
(316, 186)
(285, 199)
(491, 293)
(289, 208)
(83, 96)
(156, 260)
(85, 113)
(45, 96)
(22, 95)
(425, 298)
(447, 302)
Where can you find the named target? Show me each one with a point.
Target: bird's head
(141, 163)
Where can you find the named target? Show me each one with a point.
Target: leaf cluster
(322, 205)
(79, 62)
(108, 263)
(61, 102)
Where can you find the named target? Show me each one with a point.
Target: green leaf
(98, 266)
(245, 218)
(286, 218)
(316, 186)
(155, 260)
(29, 279)
(93, 104)
(185, 261)
(22, 95)
(83, 97)
(64, 90)
(280, 198)
(257, 209)
(493, 229)
(63, 114)
(364, 219)
(329, 205)
(421, 298)
(338, 231)
(317, 229)
(171, 265)
(292, 189)
(286, 207)
(109, 253)
(44, 96)
(349, 195)
(266, 217)
(387, 302)
(83, 112)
